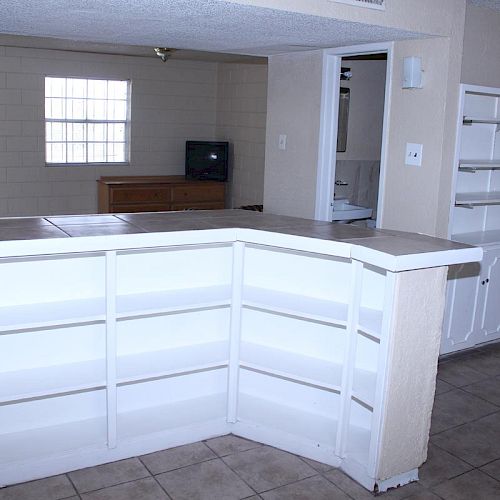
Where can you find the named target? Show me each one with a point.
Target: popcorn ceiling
(209, 25)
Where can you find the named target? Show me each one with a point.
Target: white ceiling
(206, 25)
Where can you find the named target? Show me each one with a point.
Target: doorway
(351, 166)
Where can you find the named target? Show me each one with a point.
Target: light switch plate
(282, 142)
(413, 155)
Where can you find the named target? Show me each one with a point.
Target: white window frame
(125, 122)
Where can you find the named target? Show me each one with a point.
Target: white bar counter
(126, 334)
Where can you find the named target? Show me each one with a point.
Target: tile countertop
(407, 250)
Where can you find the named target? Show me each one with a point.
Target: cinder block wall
(171, 103)
(241, 119)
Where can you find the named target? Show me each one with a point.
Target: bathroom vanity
(122, 335)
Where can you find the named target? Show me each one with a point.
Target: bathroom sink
(345, 212)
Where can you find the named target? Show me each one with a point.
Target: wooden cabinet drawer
(199, 192)
(138, 194)
(139, 207)
(207, 205)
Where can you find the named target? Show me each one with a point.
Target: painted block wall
(171, 103)
(241, 120)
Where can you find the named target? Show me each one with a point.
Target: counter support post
(235, 332)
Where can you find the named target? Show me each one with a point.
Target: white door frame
(327, 155)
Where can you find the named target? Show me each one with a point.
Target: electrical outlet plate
(413, 155)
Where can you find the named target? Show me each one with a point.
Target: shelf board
(68, 312)
(370, 322)
(164, 302)
(364, 386)
(473, 165)
(478, 237)
(287, 419)
(49, 381)
(295, 305)
(171, 416)
(147, 365)
(469, 120)
(290, 365)
(478, 198)
(45, 441)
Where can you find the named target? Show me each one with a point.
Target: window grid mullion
(66, 122)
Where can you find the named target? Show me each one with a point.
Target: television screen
(206, 160)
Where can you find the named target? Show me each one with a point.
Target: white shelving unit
(161, 344)
(475, 219)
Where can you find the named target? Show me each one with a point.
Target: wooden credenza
(158, 193)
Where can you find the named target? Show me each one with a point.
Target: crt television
(206, 160)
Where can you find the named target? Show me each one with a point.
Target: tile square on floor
(266, 468)
(455, 373)
(476, 443)
(440, 466)
(348, 485)
(204, 481)
(227, 445)
(142, 489)
(470, 486)
(175, 458)
(51, 488)
(492, 469)
(102, 476)
(488, 389)
(315, 487)
(457, 407)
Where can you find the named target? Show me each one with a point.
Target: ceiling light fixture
(164, 53)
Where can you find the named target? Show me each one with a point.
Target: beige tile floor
(463, 462)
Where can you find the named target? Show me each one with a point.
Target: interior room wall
(293, 109)
(359, 165)
(171, 102)
(241, 120)
(481, 56)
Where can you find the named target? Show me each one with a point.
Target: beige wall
(366, 110)
(413, 194)
(170, 103)
(241, 119)
(293, 108)
(416, 198)
(481, 58)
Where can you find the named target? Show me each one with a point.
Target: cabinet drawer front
(208, 205)
(140, 194)
(144, 207)
(199, 192)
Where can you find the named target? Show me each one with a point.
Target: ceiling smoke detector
(164, 53)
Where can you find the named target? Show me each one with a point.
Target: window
(86, 121)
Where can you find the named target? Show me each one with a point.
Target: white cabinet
(472, 313)
(489, 295)
(472, 303)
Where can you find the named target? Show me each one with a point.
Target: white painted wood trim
(235, 332)
(111, 391)
(328, 132)
(327, 154)
(350, 356)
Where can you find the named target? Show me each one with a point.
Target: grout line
(177, 468)
(72, 484)
(161, 486)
